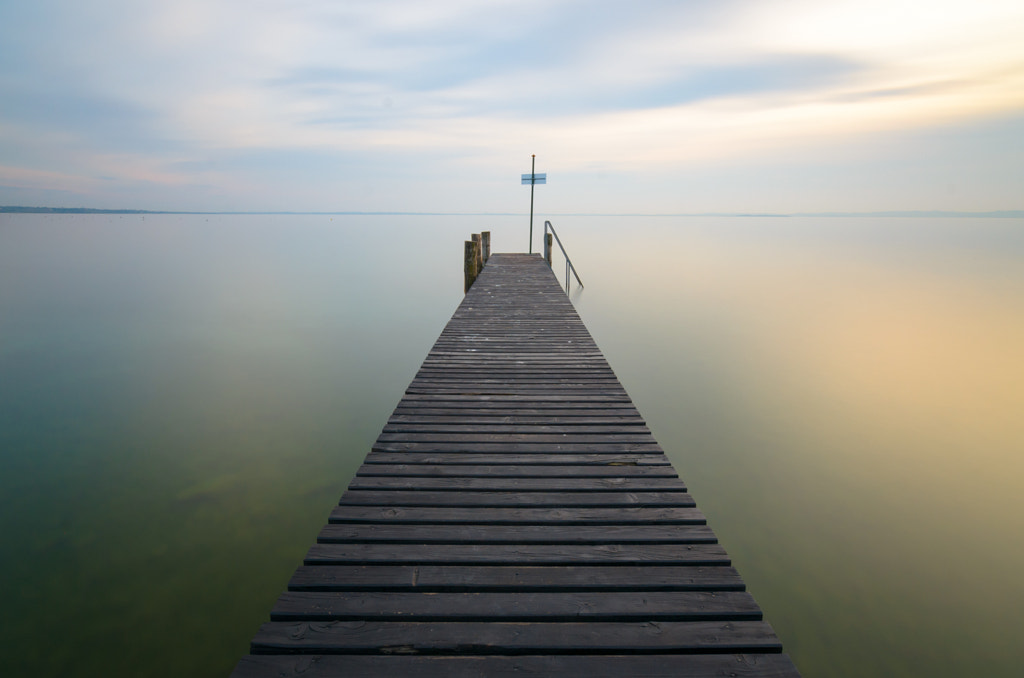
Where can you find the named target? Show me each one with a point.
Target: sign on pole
(533, 179)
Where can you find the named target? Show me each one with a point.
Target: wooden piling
(547, 248)
(478, 240)
(470, 267)
(485, 241)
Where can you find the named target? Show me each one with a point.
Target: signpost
(533, 179)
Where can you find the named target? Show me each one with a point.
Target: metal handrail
(568, 262)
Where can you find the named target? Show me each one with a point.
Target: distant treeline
(19, 209)
(1012, 214)
(68, 210)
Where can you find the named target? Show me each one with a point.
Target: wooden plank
(586, 385)
(569, 410)
(463, 458)
(435, 578)
(590, 356)
(438, 359)
(517, 448)
(558, 415)
(517, 470)
(508, 390)
(482, 368)
(567, 407)
(478, 438)
(533, 330)
(481, 345)
(515, 516)
(451, 347)
(558, 385)
(470, 666)
(514, 638)
(615, 484)
(517, 554)
(536, 365)
(582, 357)
(516, 534)
(559, 606)
(470, 499)
(532, 400)
(437, 417)
(507, 428)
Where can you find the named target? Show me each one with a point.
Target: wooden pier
(516, 518)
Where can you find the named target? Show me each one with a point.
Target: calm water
(183, 398)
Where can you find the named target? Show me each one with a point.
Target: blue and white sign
(535, 178)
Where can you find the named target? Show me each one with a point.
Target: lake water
(183, 399)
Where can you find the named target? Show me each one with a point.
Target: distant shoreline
(997, 214)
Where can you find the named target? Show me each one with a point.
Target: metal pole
(533, 182)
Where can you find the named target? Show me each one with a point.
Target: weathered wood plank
(483, 368)
(437, 360)
(471, 431)
(522, 606)
(516, 534)
(532, 400)
(470, 666)
(476, 438)
(515, 638)
(616, 484)
(511, 385)
(435, 578)
(518, 470)
(441, 417)
(607, 381)
(469, 499)
(518, 448)
(548, 414)
(474, 373)
(507, 390)
(433, 515)
(464, 458)
(517, 554)
(515, 438)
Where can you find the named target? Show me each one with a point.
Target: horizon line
(22, 209)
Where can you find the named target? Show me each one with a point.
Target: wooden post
(485, 240)
(478, 242)
(472, 253)
(548, 242)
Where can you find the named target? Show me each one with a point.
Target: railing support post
(547, 254)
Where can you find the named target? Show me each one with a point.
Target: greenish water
(183, 398)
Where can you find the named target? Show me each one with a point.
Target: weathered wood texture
(516, 517)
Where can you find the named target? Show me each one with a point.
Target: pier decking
(516, 517)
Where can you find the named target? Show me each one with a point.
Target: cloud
(20, 177)
(172, 89)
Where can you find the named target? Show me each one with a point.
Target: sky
(689, 106)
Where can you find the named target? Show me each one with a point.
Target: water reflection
(846, 411)
(181, 402)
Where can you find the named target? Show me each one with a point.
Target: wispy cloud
(161, 93)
